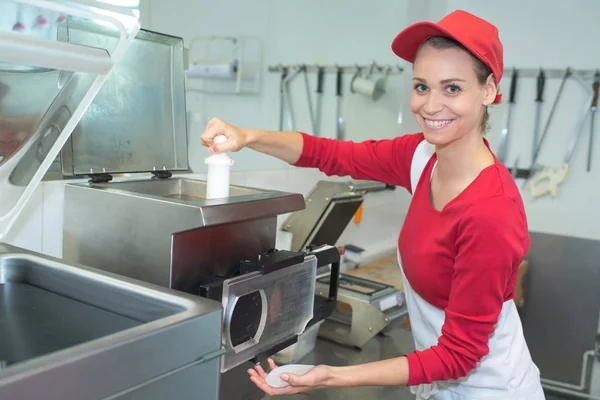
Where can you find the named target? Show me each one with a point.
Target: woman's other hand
(316, 378)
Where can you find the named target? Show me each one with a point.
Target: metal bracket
(100, 178)
(161, 174)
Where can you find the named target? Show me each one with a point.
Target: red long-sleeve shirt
(463, 260)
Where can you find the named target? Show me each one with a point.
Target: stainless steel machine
(112, 102)
(69, 331)
(364, 308)
(141, 216)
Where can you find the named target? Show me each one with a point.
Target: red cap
(477, 35)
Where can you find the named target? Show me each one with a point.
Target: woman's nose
(433, 104)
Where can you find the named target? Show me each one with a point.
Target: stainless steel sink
(111, 336)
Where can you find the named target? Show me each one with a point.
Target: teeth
(437, 124)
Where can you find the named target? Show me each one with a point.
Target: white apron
(507, 372)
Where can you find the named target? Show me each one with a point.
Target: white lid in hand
(274, 377)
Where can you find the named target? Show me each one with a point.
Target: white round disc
(274, 380)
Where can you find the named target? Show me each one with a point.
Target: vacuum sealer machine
(70, 331)
(138, 213)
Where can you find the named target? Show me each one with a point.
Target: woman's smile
(437, 124)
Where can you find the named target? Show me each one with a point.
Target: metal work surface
(59, 319)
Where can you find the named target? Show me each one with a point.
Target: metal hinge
(161, 174)
(100, 178)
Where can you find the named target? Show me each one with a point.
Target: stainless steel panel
(562, 303)
(118, 228)
(137, 122)
(180, 330)
(182, 384)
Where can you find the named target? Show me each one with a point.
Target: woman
(465, 233)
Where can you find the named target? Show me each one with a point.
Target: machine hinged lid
(46, 86)
(137, 122)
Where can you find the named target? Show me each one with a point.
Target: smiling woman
(465, 233)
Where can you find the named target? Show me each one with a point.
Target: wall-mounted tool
(320, 79)
(548, 180)
(533, 166)
(365, 85)
(503, 145)
(309, 99)
(594, 108)
(340, 131)
(284, 72)
(288, 98)
(541, 80)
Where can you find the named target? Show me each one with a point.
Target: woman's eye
(453, 89)
(419, 87)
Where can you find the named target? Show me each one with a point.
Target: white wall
(310, 32)
(348, 32)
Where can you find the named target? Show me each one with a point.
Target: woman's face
(447, 99)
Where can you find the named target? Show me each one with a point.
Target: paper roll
(212, 71)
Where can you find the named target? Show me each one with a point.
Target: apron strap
(422, 154)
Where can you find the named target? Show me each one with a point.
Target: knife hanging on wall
(340, 120)
(541, 80)
(503, 145)
(320, 77)
(593, 109)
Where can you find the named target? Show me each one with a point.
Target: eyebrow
(444, 81)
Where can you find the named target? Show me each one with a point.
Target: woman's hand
(237, 138)
(286, 146)
(316, 378)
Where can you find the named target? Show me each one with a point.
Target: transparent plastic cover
(46, 85)
(261, 311)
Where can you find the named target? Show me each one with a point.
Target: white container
(305, 344)
(219, 171)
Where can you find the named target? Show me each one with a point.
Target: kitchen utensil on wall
(541, 80)
(340, 132)
(503, 145)
(533, 167)
(367, 86)
(593, 109)
(309, 99)
(320, 78)
(549, 179)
